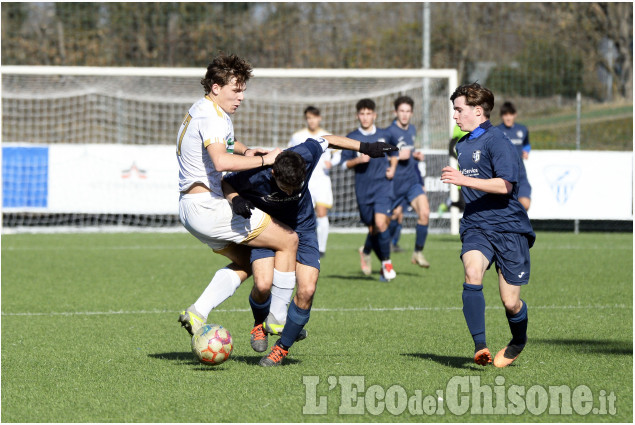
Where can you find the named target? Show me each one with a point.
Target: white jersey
(204, 124)
(300, 137)
(320, 183)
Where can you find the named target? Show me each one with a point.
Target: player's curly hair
(289, 168)
(475, 95)
(225, 67)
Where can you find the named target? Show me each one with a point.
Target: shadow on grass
(595, 346)
(452, 361)
(372, 278)
(188, 357)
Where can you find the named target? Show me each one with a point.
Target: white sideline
(325, 309)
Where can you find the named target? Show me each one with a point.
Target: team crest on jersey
(519, 134)
(476, 156)
(230, 145)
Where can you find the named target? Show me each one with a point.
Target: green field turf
(90, 334)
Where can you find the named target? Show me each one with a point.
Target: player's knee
(511, 303)
(262, 285)
(305, 293)
(473, 275)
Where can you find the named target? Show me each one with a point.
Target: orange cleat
(275, 357)
(259, 340)
(502, 360)
(483, 357)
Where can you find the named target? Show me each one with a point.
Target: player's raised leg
(475, 264)
(222, 286)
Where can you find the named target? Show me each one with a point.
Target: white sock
(322, 232)
(222, 286)
(281, 293)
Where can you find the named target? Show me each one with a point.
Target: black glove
(376, 149)
(242, 207)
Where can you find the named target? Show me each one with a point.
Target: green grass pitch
(90, 334)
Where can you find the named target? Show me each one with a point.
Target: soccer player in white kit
(206, 147)
(320, 182)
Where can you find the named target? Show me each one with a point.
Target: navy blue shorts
(367, 211)
(406, 197)
(308, 252)
(510, 252)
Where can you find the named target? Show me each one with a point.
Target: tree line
(526, 49)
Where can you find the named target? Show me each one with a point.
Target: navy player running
(495, 226)
(283, 193)
(373, 190)
(407, 183)
(519, 136)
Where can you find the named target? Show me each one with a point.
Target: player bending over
(373, 190)
(495, 226)
(206, 148)
(407, 183)
(283, 193)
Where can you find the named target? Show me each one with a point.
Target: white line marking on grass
(325, 309)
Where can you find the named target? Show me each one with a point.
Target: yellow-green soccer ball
(212, 344)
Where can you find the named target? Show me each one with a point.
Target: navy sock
(518, 326)
(421, 235)
(383, 245)
(474, 312)
(260, 311)
(296, 319)
(368, 245)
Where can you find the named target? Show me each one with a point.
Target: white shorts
(321, 192)
(211, 220)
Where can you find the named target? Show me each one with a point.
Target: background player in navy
(407, 183)
(519, 136)
(495, 226)
(373, 190)
(283, 193)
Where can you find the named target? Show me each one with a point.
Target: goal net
(91, 147)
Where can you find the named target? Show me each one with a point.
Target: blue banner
(25, 177)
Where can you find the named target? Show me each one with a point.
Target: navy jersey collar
(478, 131)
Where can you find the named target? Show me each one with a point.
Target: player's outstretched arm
(224, 161)
(374, 150)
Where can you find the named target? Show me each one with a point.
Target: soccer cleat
(259, 341)
(387, 272)
(272, 326)
(419, 259)
(364, 260)
(275, 357)
(191, 321)
(483, 357)
(506, 356)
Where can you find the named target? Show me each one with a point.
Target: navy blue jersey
(488, 156)
(519, 136)
(259, 187)
(407, 172)
(370, 177)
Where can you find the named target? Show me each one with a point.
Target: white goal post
(61, 123)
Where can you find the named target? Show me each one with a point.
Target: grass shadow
(451, 361)
(253, 360)
(372, 278)
(595, 346)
